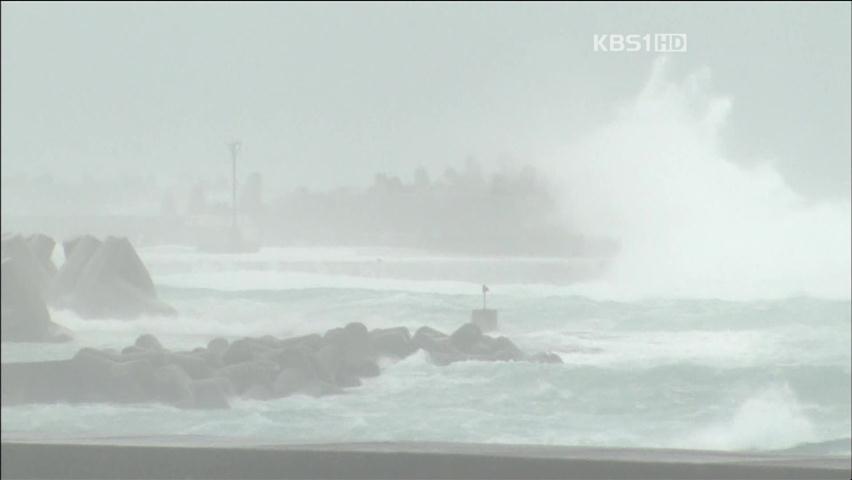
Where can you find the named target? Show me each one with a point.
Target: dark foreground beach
(130, 459)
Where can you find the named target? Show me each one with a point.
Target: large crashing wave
(691, 222)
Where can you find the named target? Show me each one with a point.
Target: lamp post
(484, 291)
(484, 318)
(235, 147)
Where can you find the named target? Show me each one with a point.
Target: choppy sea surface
(661, 372)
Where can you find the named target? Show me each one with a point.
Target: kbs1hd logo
(649, 42)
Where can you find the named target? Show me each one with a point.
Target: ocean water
(739, 375)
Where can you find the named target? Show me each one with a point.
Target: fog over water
(453, 223)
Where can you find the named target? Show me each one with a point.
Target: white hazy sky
(324, 94)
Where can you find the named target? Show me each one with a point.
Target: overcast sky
(325, 95)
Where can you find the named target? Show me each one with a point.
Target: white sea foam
(692, 223)
(772, 418)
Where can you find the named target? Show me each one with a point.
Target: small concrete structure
(484, 318)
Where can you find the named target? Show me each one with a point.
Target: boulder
(42, 247)
(348, 352)
(69, 247)
(243, 376)
(329, 360)
(23, 312)
(466, 337)
(297, 357)
(92, 378)
(148, 342)
(269, 341)
(495, 349)
(313, 341)
(157, 358)
(291, 381)
(78, 251)
(106, 280)
(545, 357)
(174, 386)
(18, 249)
(217, 346)
(259, 392)
(392, 342)
(343, 367)
(353, 340)
(194, 365)
(430, 339)
(348, 381)
(362, 369)
(244, 350)
(443, 358)
(466, 343)
(135, 381)
(214, 352)
(211, 393)
(506, 348)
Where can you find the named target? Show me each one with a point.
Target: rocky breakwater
(99, 279)
(258, 367)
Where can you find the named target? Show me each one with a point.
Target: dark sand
(159, 459)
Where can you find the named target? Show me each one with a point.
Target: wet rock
(86, 243)
(329, 360)
(431, 340)
(42, 247)
(291, 381)
(194, 365)
(106, 280)
(174, 386)
(364, 369)
(259, 368)
(244, 350)
(78, 251)
(17, 248)
(23, 313)
(466, 337)
(243, 376)
(91, 378)
(545, 357)
(148, 342)
(269, 341)
(313, 341)
(258, 392)
(348, 381)
(296, 357)
(211, 393)
(134, 380)
(217, 345)
(132, 350)
(392, 342)
(214, 352)
(157, 358)
(500, 349)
